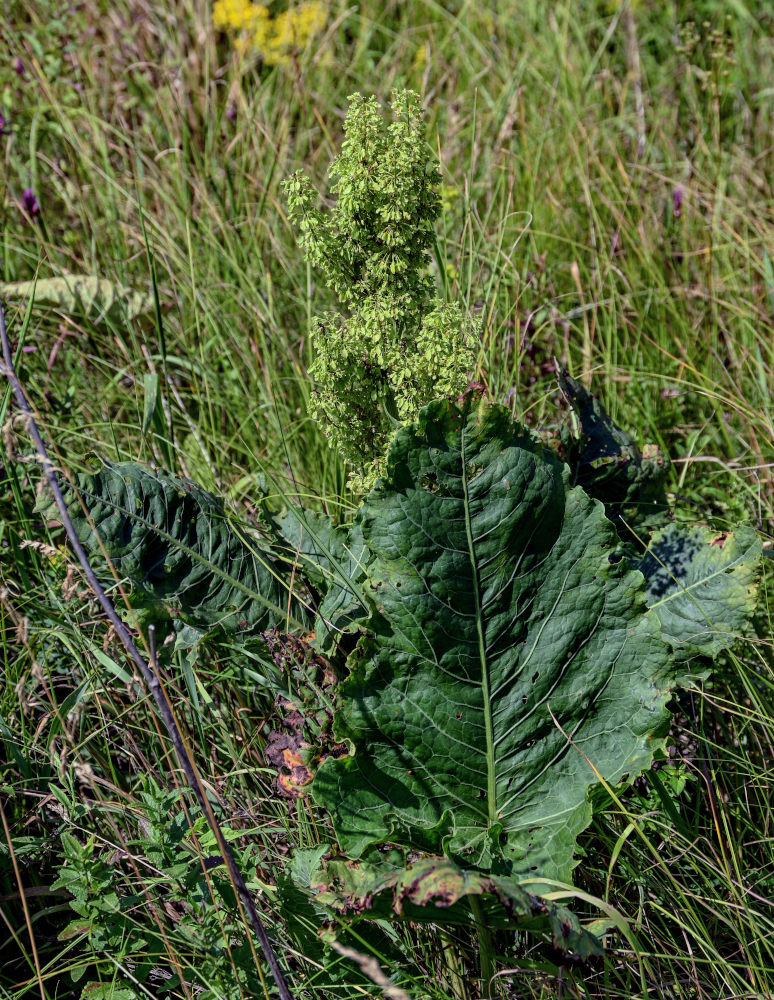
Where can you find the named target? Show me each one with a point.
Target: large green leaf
(702, 584)
(182, 552)
(333, 558)
(511, 663)
(607, 462)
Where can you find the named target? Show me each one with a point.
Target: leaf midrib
(488, 727)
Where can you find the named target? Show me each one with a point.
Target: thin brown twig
(150, 677)
(23, 897)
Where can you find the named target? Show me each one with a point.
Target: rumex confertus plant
(511, 648)
(507, 614)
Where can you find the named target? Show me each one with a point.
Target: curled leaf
(438, 891)
(333, 559)
(98, 299)
(607, 462)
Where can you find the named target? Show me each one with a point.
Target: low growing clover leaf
(510, 664)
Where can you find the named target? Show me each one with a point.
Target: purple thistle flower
(30, 203)
(231, 113)
(677, 201)
(19, 67)
(2, 124)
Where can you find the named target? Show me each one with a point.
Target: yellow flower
(274, 38)
(292, 30)
(237, 15)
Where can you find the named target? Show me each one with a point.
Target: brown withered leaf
(418, 891)
(283, 752)
(303, 737)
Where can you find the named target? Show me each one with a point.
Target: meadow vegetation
(608, 202)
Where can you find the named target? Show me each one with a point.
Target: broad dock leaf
(332, 557)
(702, 584)
(511, 663)
(182, 552)
(607, 462)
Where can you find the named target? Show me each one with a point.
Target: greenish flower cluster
(395, 346)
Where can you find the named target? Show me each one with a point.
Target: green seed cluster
(395, 346)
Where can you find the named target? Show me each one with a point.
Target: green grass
(565, 132)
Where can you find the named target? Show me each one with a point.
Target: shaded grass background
(608, 200)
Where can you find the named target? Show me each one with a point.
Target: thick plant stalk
(149, 676)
